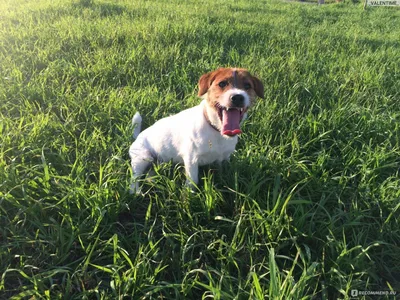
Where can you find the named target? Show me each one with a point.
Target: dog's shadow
(224, 180)
(223, 190)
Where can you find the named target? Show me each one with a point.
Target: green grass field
(308, 207)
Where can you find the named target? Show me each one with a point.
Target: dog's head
(229, 93)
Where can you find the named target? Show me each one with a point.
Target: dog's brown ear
(204, 83)
(258, 87)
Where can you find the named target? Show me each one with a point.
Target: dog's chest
(215, 149)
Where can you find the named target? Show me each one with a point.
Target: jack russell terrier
(199, 135)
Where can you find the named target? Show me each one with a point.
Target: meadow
(307, 208)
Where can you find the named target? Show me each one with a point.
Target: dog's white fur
(186, 138)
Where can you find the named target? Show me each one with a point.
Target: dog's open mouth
(230, 118)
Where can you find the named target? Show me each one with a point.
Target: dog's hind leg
(141, 161)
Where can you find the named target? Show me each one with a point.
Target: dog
(200, 135)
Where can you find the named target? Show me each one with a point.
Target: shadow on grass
(86, 9)
(104, 9)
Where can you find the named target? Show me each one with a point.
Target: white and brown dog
(202, 134)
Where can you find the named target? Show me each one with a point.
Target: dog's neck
(208, 119)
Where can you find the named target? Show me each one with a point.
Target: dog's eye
(223, 84)
(247, 86)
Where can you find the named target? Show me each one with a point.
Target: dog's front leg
(192, 173)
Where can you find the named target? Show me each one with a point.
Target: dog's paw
(192, 187)
(135, 189)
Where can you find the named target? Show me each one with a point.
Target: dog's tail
(137, 123)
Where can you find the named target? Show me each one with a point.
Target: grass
(307, 208)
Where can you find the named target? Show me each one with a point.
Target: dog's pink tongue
(231, 122)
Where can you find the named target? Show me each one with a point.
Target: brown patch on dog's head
(244, 81)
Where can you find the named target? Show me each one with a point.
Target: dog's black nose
(237, 100)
